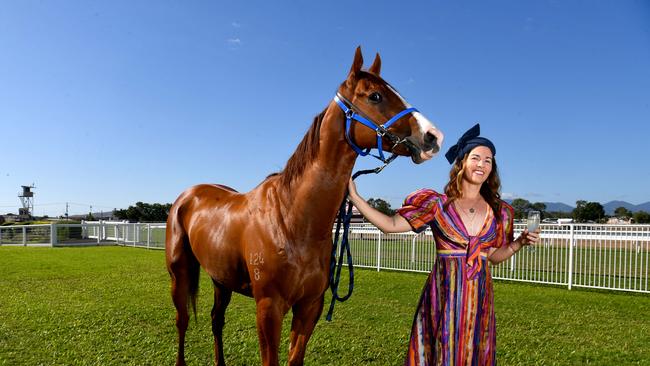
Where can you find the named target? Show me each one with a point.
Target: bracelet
(513, 250)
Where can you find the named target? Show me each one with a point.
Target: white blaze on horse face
(423, 123)
(406, 104)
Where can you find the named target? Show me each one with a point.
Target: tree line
(144, 212)
(585, 211)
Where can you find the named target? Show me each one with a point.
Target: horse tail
(182, 264)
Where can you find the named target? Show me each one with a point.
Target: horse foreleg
(221, 300)
(305, 317)
(269, 324)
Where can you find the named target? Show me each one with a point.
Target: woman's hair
(489, 189)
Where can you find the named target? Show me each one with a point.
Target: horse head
(407, 132)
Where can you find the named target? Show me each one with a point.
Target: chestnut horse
(274, 243)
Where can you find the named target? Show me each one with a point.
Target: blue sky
(109, 103)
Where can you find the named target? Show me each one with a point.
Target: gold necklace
(471, 210)
(471, 213)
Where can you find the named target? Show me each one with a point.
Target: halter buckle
(349, 113)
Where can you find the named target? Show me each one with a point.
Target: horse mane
(306, 151)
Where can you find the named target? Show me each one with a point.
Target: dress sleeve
(505, 229)
(420, 208)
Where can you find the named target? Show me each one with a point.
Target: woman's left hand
(529, 238)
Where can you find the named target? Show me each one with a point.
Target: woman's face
(478, 165)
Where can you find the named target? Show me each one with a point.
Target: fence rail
(613, 257)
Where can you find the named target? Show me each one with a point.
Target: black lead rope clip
(343, 219)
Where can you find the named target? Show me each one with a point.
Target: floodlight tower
(27, 199)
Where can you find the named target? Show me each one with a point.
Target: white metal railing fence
(144, 235)
(614, 257)
(84, 234)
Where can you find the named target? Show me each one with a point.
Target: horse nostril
(429, 138)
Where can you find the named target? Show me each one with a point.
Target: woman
(454, 323)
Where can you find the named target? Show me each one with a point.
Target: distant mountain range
(613, 205)
(609, 206)
(558, 206)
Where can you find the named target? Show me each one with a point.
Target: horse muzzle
(421, 151)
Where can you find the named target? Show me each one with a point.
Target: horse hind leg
(184, 271)
(221, 300)
(305, 317)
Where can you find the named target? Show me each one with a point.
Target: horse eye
(375, 97)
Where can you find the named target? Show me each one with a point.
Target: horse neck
(316, 194)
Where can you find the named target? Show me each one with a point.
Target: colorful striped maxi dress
(454, 323)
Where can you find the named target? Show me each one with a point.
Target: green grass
(111, 306)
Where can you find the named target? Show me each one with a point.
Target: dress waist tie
(472, 253)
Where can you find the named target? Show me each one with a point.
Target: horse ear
(357, 63)
(376, 65)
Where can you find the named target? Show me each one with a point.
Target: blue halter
(351, 113)
(381, 130)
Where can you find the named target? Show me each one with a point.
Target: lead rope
(343, 219)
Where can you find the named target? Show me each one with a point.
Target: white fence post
(378, 251)
(53, 235)
(148, 235)
(25, 235)
(570, 259)
(413, 247)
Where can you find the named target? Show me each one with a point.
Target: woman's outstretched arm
(387, 224)
(499, 255)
